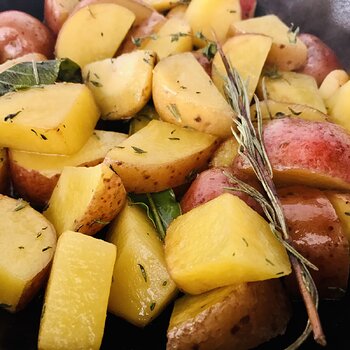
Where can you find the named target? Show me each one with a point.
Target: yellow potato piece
(27, 243)
(184, 94)
(121, 86)
(332, 82)
(85, 199)
(46, 119)
(161, 5)
(288, 52)
(246, 53)
(173, 37)
(178, 11)
(212, 18)
(75, 308)
(94, 32)
(160, 156)
(222, 242)
(141, 286)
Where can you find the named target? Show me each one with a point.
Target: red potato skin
(211, 183)
(21, 33)
(321, 59)
(248, 8)
(203, 60)
(317, 234)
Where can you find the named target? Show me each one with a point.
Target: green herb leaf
(210, 50)
(10, 116)
(138, 150)
(143, 272)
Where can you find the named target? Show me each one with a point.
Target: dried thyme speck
(143, 272)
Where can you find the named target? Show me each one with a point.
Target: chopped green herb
(20, 204)
(138, 150)
(177, 36)
(233, 254)
(164, 283)
(98, 221)
(279, 273)
(152, 306)
(46, 248)
(245, 241)
(96, 83)
(174, 138)
(9, 117)
(32, 130)
(136, 41)
(39, 234)
(347, 213)
(174, 111)
(294, 112)
(143, 271)
(269, 262)
(280, 115)
(293, 33)
(272, 73)
(210, 50)
(21, 247)
(43, 137)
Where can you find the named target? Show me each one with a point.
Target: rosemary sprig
(253, 150)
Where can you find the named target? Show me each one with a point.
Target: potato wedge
(288, 52)
(94, 33)
(332, 82)
(222, 242)
(141, 286)
(113, 82)
(85, 199)
(183, 94)
(177, 11)
(212, 18)
(247, 53)
(236, 317)
(27, 242)
(225, 153)
(35, 175)
(75, 306)
(46, 119)
(160, 156)
(29, 57)
(160, 5)
(4, 171)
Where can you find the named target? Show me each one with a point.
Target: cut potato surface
(113, 82)
(141, 286)
(184, 94)
(222, 242)
(85, 199)
(27, 243)
(35, 175)
(160, 156)
(46, 119)
(236, 317)
(94, 33)
(75, 307)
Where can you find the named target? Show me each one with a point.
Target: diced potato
(246, 53)
(177, 11)
(332, 82)
(4, 171)
(293, 88)
(222, 242)
(212, 18)
(160, 156)
(85, 199)
(173, 37)
(46, 119)
(288, 52)
(122, 85)
(239, 316)
(27, 243)
(35, 175)
(141, 286)
(29, 57)
(94, 33)
(225, 153)
(161, 5)
(75, 308)
(183, 94)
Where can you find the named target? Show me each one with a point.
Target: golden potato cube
(160, 156)
(121, 86)
(222, 242)
(27, 243)
(287, 52)
(141, 286)
(183, 94)
(246, 53)
(332, 82)
(76, 298)
(46, 119)
(94, 33)
(292, 87)
(212, 18)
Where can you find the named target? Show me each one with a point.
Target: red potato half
(321, 59)
(317, 234)
(21, 33)
(248, 8)
(307, 153)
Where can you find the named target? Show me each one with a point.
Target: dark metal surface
(330, 20)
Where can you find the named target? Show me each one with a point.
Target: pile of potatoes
(68, 169)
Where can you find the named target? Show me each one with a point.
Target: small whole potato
(21, 33)
(321, 59)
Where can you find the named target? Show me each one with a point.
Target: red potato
(306, 152)
(248, 8)
(21, 33)
(203, 60)
(317, 234)
(321, 59)
(209, 184)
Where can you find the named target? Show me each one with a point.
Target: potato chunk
(121, 86)
(160, 156)
(27, 243)
(75, 308)
(237, 317)
(183, 94)
(141, 286)
(46, 119)
(94, 33)
(85, 199)
(222, 242)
